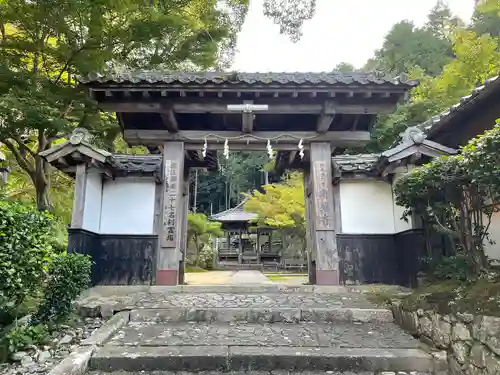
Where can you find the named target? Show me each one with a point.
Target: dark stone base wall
(364, 258)
(117, 259)
(380, 258)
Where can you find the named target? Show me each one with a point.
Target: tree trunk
(42, 187)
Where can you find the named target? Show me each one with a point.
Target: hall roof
(472, 115)
(235, 214)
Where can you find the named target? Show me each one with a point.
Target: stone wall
(472, 343)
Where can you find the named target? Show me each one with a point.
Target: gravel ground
(40, 360)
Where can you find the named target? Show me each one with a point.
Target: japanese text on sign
(170, 204)
(323, 200)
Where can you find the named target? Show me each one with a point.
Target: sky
(341, 31)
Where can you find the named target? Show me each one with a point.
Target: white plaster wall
(493, 251)
(128, 206)
(93, 198)
(367, 207)
(400, 225)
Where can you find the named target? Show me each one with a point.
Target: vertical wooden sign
(323, 198)
(170, 194)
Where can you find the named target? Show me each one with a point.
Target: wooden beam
(324, 122)
(221, 108)
(247, 119)
(278, 139)
(169, 120)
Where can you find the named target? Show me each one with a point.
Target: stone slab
(126, 290)
(92, 304)
(274, 372)
(250, 358)
(262, 315)
(76, 363)
(184, 358)
(108, 329)
(304, 334)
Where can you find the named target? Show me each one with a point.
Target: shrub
(206, 257)
(23, 336)
(68, 276)
(456, 267)
(24, 250)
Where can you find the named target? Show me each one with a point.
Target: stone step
(263, 315)
(117, 290)
(196, 346)
(276, 372)
(250, 358)
(96, 303)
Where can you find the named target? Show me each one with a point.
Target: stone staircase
(264, 329)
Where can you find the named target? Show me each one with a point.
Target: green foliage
(407, 46)
(25, 236)
(46, 44)
(476, 58)
(456, 267)
(68, 276)
(221, 190)
(23, 336)
(455, 194)
(201, 230)
(281, 205)
(290, 15)
(206, 257)
(481, 157)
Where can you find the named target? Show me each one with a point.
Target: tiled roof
(478, 93)
(356, 163)
(200, 78)
(235, 214)
(137, 163)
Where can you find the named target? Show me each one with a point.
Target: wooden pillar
(240, 248)
(310, 232)
(184, 223)
(79, 196)
(257, 244)
(170, 237)
(325, 237)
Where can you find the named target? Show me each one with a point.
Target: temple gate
(191, 119)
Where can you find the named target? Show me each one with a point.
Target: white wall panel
(93, 198)
(128, 206)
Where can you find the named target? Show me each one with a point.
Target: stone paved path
(242, 277)
(252, 329)
(209, 278)
(275, 334)
(249, 277)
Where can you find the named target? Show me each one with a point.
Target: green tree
(407, 46)
(200, 231)
(455, 195)
(281, 205)
(220, 190)
(476, 59)
(290, 15)
(344, 67)
(46, 44)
